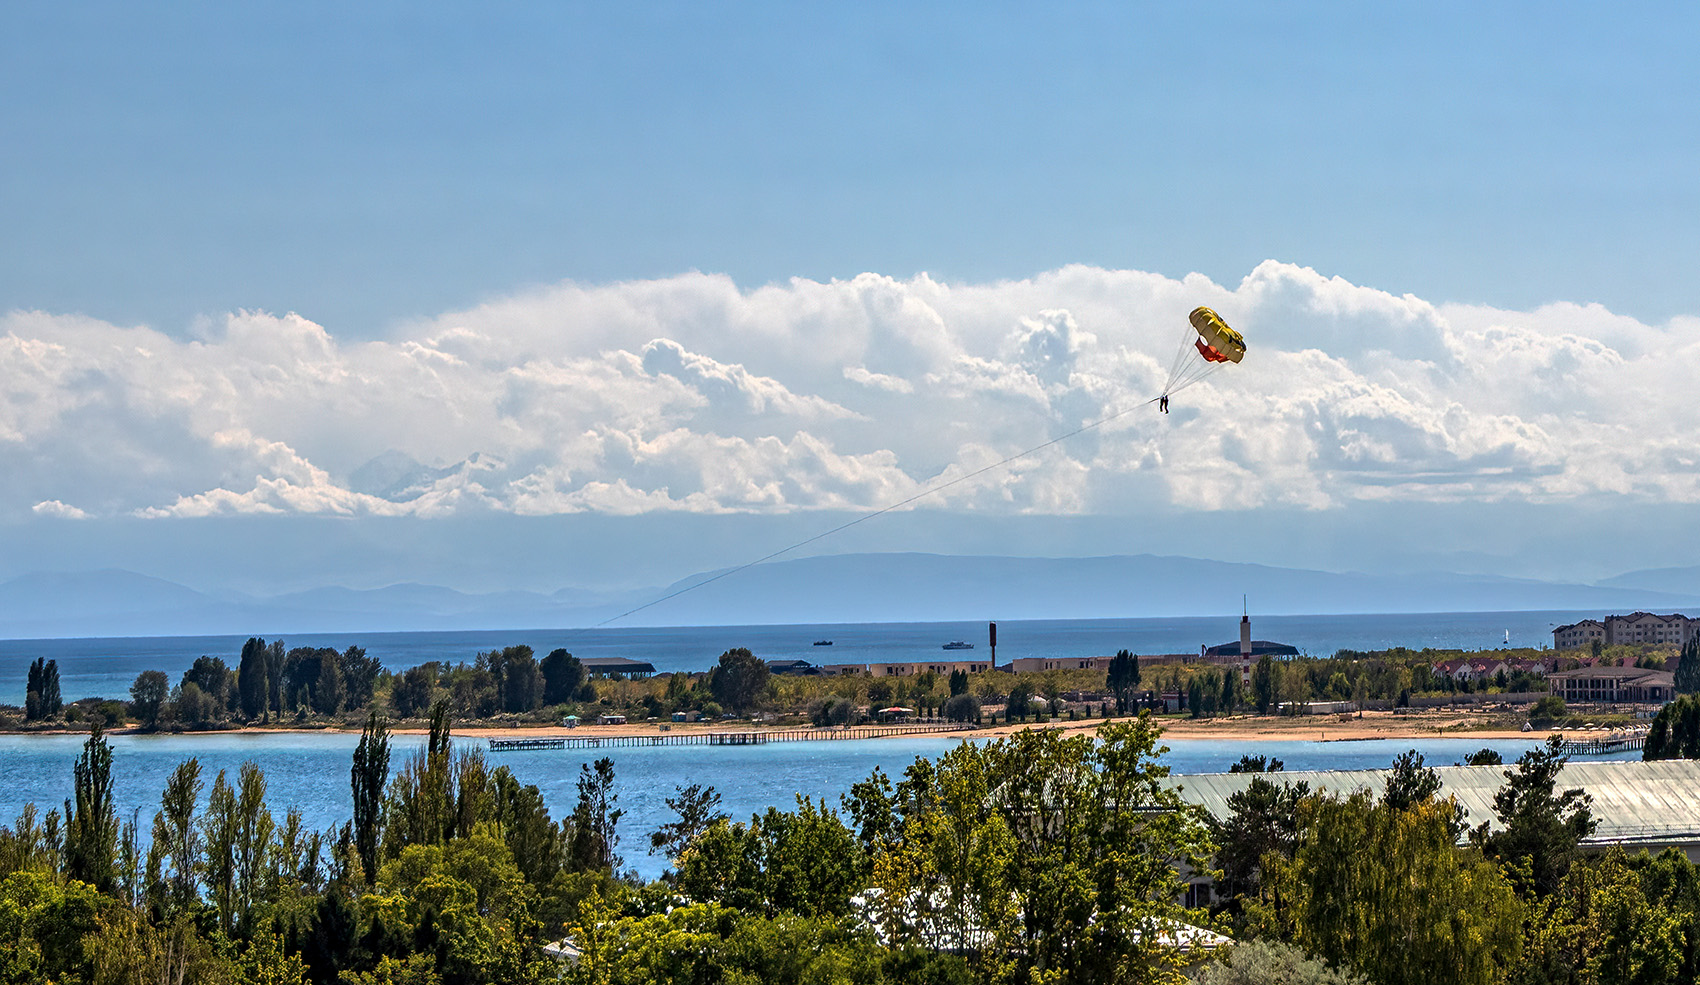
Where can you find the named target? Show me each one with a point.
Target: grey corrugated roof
(1634, 802)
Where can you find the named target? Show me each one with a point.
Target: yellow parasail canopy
(1217, 342)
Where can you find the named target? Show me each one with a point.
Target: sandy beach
(1245, 728)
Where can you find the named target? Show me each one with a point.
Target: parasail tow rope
(930, 490)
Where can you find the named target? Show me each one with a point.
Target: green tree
(538, 845)
(1611, 922)
(1388, 893)
(961, 708)
(697, 807)
(1675, 731)
(43, 926)
(517, 679)
(1262, 819)
(1265, 684)
(367, 777)
(739, 680)
(1272, 963)
(212, 678)
(958, 682)
(251, 678)
(1122, 678)
(32, 691)
(1541, 829)
(1048, 856)
(41, 692)
(176, 837)
(1019, 701)
(359, 676)
(91, 819)
(1230, 690)
(562, 674)
(1547, 708)
(411, 693)
(251, 846)
(596, 818)
(273, 656)
(147, 696)
(328, 689)
(1409, 782)
(421, 803)
(1688, 667)
(219, 826)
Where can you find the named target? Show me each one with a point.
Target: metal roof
(1634, 802)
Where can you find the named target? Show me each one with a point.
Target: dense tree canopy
(739, 680)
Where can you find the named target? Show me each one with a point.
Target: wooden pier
(1602, 745)
(751, 738)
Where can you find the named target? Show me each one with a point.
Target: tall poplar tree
(251, 684)
(370, 772)
(91, 828)
(274, 657)
(176, 837)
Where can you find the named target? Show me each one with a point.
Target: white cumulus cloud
(689, 394)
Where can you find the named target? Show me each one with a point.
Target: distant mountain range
(836, 588)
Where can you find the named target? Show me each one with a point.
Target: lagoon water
(107, 667)
(311, 771)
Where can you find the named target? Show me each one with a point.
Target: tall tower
(1245, 642)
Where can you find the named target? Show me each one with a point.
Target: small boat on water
(823, 642)
(957, 645)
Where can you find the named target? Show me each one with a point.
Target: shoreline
(1373, 726)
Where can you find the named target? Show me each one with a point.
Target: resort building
(623, 666)
(1258, 648)
(943, 668)
(1613, 685)
(1635, 628)
(1030, 665)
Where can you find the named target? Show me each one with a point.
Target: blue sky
(678, 284)
(368, 166)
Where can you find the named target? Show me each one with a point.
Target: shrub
(1547, 709)
(962, 708)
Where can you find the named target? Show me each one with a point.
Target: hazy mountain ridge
(1683, 581)
(830, 588)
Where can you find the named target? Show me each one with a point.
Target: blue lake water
(107, 666)
(311, 771)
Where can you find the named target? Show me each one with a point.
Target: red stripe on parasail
(1209, 352)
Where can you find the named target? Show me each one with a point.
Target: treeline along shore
(271, 685)
(1043, 856)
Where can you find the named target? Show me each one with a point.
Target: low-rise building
(1601, 684)
(943, 668)
(623, 666)
(1030, 665)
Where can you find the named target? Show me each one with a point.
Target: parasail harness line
(930, 490)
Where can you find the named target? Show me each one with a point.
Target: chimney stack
(1245, 647)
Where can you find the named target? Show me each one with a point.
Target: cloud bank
(689, 394)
